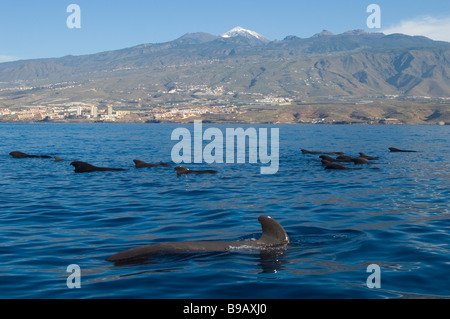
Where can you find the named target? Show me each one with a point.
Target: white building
(94, 111)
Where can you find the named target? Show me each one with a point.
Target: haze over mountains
(237, 66)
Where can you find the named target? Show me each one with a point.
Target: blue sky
(38, 29)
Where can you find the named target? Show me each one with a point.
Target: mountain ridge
(354, 64)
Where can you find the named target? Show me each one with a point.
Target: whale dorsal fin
(139, 163)
(82, 166)
(273, 233)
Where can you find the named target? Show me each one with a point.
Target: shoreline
(223, 122)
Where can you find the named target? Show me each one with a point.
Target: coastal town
(180, 103)
(82, 112)
(259, 109)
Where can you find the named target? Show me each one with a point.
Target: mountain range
(238, 66)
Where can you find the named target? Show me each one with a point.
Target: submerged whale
(393, 149)
(318, 153)
(82, 167)
(183, 170)
(360, 160)
(340, 158)
(330, 165)
(142, 164)
(367, 156)
(343, 159)
(334, 166)
(273, 235)
(17, 154)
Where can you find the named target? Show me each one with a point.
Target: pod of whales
(83, 167)
(332, 163)
(17, 154)
(273, 235)
(142, 164)
(183, 171)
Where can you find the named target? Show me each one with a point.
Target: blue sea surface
(393, 213)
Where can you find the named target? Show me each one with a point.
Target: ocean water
(393, 213)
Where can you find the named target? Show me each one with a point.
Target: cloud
(433, 28)
(7, 58)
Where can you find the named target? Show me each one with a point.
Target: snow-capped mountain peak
(239, 31)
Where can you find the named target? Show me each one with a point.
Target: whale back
(17, 154)
(393, 149)
(82, 166)
(140, 164)
(273, 234)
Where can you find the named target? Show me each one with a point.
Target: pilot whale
(183, 171)
(17, 154)
(396, 150)
(83, 167)
(367, 157)
(273, 235)
(330, 165)
(318, 153)
(360, 160)
(340, 158)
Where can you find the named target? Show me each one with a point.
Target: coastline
(220, 122)
(378, 112)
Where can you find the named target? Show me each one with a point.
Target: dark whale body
(82, 167)
(330, 165)
(17, 154)
(142, 164)
(368, 157)
(273, 235)
(395, 150)
(183, 171)
(318, 153)
(334, 166)
(360, 160)
(341, 158)
(328, 158)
